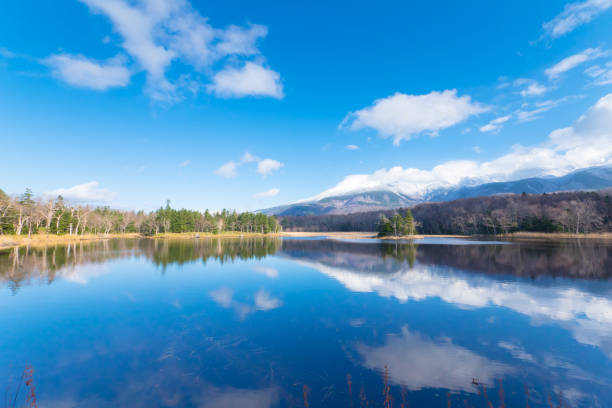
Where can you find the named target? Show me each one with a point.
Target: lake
(308, 322)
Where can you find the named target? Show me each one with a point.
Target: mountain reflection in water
(270, 322)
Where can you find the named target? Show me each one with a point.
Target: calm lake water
(309, 322)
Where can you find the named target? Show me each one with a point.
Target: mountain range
(592, 178)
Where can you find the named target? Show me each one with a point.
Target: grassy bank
(10, 241)
(558, 235)
(227, 234)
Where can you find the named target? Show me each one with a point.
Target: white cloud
(79, 71)
(267, 166)
(239, 397)
(269, 193)
(477, 149)
(575, 15)
(587, 315)
(401, 116)
(88, 192)
(573, 61)
(223, 297)
(417, 362)
(495, 124)
(185, 163)
(588, 142)
(158, 33)
(250, 80)
(268, 271)
(248, 158)
(263, 301)
(534, 89)
(264, 166)
(228, 170)
(352, 147)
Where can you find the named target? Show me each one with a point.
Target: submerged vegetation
(28, 215)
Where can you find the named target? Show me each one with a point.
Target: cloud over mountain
(588, 142)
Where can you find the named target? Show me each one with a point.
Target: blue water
(285, 323)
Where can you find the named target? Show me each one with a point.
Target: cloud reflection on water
(417, 362)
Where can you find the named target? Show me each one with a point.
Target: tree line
(571, 212)
(27, 215)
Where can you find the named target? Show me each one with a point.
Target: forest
(27, 215)
(570, 212)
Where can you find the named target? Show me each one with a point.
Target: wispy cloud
(185, 163)
(79, 71)
(573, 61)
(402, 116)
(352, 147)
(495, 124)
(87, 192)
(269, 193)
(601, 75)
(574, 15)
(531, 112)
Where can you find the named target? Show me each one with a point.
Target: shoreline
(557, 235)
(12, 241)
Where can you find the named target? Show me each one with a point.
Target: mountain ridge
(591, 178)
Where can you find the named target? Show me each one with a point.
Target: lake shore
(364, 235)
(11, 241)
(557, 235)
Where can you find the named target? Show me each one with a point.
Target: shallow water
(323, 323)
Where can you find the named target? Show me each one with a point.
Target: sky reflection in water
(237, 323)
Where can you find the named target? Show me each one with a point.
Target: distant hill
(593, 178)
(346, 204)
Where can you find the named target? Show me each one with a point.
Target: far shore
(557, 235)
(36, 240)
(364, 235)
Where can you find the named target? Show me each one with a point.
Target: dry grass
(345, 235)
(556, 235)
(191, 235)
(364, 235)
(10, 241)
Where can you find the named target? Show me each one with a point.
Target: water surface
(320, 322)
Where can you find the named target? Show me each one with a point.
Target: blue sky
(247, 105)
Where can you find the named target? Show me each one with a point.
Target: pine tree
(409, 223)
